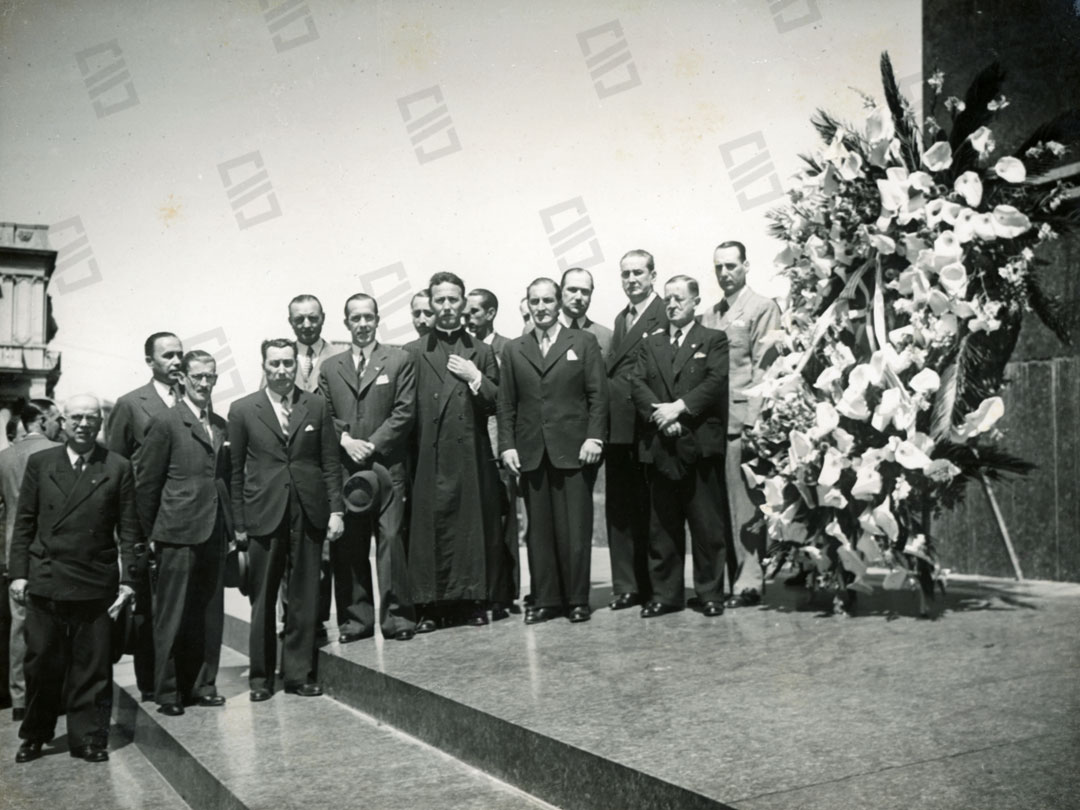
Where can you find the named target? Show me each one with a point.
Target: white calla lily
(925, 382)
(938, 157)
(911, 457)
(1008, 222)
(831, 466)
(1010, 169)
(970, 187)
(954, 279)
(982, 418)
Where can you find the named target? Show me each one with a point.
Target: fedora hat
(237, 571)
(364, 491)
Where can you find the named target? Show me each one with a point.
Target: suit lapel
(347, 369)
(432, 357)
(661, 352)
(530, 350)
(194, 425)
(298, 416)
(81, 487)
(558, 348)
(647, 321)
(269, 416)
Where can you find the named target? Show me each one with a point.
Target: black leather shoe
(27, 751)
(404, 635)
(713, 608)
(654, 609)
(624, 601)
(170, 709)
(478, 619)
(535, 615)
(146, 697)
(90, 753)
(18, 714)
(211, 700)
(304, 690)
(345, 638)
(499, 612)
(580, 613)
(259, 695)
(745, 598)
(427, 625)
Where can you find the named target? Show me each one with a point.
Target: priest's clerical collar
(445, 335)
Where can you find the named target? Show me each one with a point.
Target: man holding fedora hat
(286, 494)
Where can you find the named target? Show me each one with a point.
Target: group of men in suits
(430, 449)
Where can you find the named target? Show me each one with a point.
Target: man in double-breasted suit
(746, 318)
(286, 496)
(552, 420)
(626, 500)
(371, 393)
(680, 392)
(455, 533)
(76, 521)
(128, 423)
(181, 491)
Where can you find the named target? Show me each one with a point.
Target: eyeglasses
(210, 378)
(82, 417)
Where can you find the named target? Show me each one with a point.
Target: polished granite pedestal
(777, 706)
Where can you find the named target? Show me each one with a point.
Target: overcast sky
(319, 92)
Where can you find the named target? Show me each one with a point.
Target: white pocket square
(308, 428)
(382, 379)
(570, 354)
(699, 355)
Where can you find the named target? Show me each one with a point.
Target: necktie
(307, 362)
(361, 364)
(675, 339)
(79, 464)
(723, 307)
(631, 316)
(175, 397)
(575, 324)
(206, 425)
(286, 411)
(545, 343)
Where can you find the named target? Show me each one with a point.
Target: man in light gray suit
(746, 318)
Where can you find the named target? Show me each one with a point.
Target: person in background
(41, 421)
(577, 291)
(128, 423)
(423, 317)
(746, 318)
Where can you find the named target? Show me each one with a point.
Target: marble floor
(779, 706)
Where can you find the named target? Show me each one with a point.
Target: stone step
(126, 782)
(294, 752)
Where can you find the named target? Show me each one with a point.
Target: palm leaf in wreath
(902, 114)
(1050, 309)
(984, 88)
(827, 125)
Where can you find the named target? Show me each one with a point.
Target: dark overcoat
(455, 522)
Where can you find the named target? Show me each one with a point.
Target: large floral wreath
(910, 270)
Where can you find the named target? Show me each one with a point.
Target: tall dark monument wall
(1038, 44)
